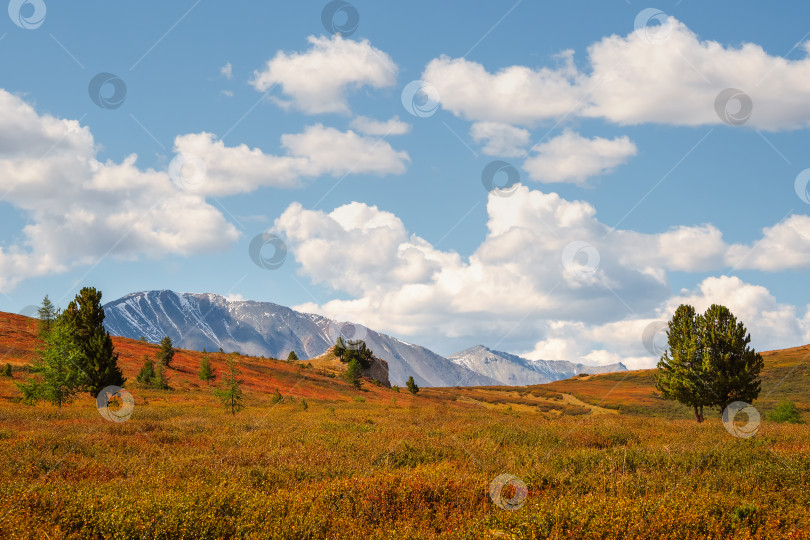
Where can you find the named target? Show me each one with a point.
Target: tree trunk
(699, 413)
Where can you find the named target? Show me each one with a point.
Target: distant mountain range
(209, 321)
(511, 370)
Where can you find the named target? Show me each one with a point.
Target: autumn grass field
(331, 461)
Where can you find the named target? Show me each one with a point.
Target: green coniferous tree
(735, 367)
(353, 372)
(6, 371)
(47, 314)
(340, 348)
(413, 388)
(682, 375)
(98, 361)
(709, 362)
(292, 356)
(161, 380)
(206, 371)
(57, 375)
(231, 392)
(165, 354)
(146, 376)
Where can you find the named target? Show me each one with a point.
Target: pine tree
(98, 361)
(231, 393)
(709, 363)
(47, 314)
(146, 376)
(292, 356)
(206, 371)
(6, 371)
(412, 386)
(735, 367)
(166, 353)
(57, 373)
(682, 375)
(340, 348)
(353, 372)
(354, 350)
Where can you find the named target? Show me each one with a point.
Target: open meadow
(332, 461)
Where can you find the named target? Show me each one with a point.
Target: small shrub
(785, 412)
(395, 388)
(744, 512)
(276, 397)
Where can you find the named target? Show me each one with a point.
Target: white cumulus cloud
(570, 157)
(318, 80)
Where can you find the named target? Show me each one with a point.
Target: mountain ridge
(513, 370)
(207, 320)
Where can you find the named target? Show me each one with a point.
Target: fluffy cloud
(570, 157)
(549, 278)
(630, 80)
(514, 95)
(784, 246)
(677, 81)
(81, 209)
(406, 285)
(318, 150)
(500, 139)
(318, 80)
(370, 126)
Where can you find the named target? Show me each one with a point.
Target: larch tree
(231, 392)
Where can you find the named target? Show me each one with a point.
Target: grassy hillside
(376, 463)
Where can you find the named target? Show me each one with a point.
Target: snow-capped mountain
(512, 370)
(198, 321)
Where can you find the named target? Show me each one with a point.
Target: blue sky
(611, 124)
